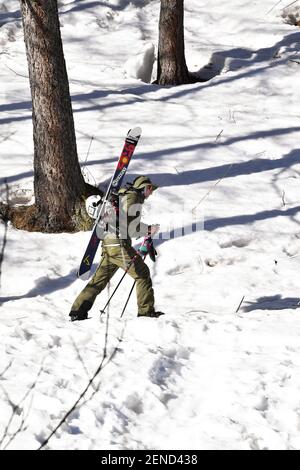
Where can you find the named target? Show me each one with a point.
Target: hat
(142, 181)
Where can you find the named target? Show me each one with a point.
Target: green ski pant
(113, 258)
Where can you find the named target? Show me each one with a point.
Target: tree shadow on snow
(79, 5)
(241, 58)
(273, 302)
(245, 60)
(185, 178)
(90, 101)
(9, 17)
(213, 224)
(229, 170)
(76, 5)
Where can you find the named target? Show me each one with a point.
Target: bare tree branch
(290, 4)
(21, 426)
(6, 368)
(17, 410)
(5, 232)
(90, 383)
(80, 358)
(116, 349)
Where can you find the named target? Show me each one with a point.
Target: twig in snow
(289, 5)
(88, 152)
(274, 6)
(6, 368)
(16, 73)
(84, 164)
(296, 61)
(8, 136)
(240, 304)
(219, 135)
(212, 187)
(231, 116)
(283, 198)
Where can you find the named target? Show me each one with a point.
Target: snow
(221, 369)
(140, 65)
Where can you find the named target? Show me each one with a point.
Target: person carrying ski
(117, 252)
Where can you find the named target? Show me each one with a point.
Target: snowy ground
(204, 376)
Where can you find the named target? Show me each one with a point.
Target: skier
(117, 252)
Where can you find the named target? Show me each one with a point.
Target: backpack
(110, 218)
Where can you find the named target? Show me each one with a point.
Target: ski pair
(131, 141)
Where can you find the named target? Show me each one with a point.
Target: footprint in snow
(239, 242)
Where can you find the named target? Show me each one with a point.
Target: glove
(153, 229)
(151, 250)
(148, 248)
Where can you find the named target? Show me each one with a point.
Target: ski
(131, 141)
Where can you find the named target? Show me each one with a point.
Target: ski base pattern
(131, 141)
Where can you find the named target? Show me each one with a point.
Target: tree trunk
(172, 69)
(58, 182)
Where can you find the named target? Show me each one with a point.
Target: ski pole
(104, 308)
(128, 298)
(126, 271)
(130, 293)
(148, 244)
(117, 286)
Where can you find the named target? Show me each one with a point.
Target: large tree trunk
(172, 69)
(58, 182)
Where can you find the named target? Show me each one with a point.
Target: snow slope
(213, 373)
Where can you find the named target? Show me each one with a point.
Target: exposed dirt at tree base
(32, 219)
(28, 218)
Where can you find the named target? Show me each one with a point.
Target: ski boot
(150, 314)
(82, 313)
